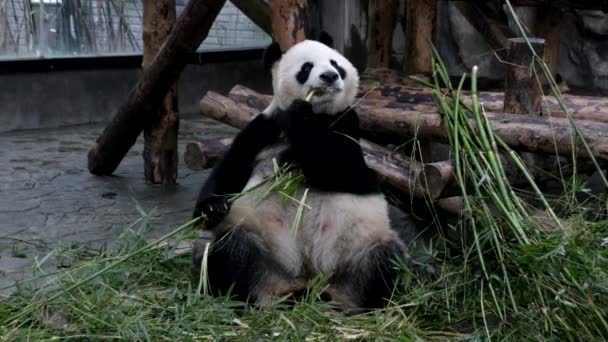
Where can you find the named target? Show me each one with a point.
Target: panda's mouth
(326, 90)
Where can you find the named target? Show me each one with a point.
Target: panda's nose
(329, 77)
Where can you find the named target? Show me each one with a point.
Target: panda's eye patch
(340, 69)
(304, 72)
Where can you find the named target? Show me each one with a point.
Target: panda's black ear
(271, 55)
(326, 39)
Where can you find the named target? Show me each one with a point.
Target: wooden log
(252, 102)
(434, 177)
(527, 133)
(382, 21)
(149, 92)
(203, 155)
(393, 86)
(523, 88)
(160, 132)
(256, 10)
(454, 205)
(403, 175)
(289, 22)
(421, 17)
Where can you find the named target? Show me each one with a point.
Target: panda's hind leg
(367, 280)
(241, 264)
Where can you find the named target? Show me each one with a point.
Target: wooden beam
(523, 87)
(160, 132)
(522, 132)
(289, 22)
(395, 87)
(421, 25)
(382, 21)
(148, 94)
(421, 16)
(256, 10)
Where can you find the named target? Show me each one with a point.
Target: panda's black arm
(327, 149)
(231, 174)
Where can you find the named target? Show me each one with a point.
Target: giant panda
(344, 233)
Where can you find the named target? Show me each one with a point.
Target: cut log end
(435, 177)
(195, 157)
(204, 155)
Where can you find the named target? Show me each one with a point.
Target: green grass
(149, 296)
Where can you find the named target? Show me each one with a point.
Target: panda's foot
(368, 281)
(277, 288)
(343, 299)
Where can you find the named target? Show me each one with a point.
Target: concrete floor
(47, 195)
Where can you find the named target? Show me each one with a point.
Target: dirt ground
(48, 197)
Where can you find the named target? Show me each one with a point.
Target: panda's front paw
(214, 209)
(301, 107)
(296, 115)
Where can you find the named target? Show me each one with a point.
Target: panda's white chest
(309, 228)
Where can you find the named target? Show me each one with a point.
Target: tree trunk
(160, 133)
(289, 22)
(382, 21)
(149, 92)
(548, 27)
(421, 19)
(523, 87)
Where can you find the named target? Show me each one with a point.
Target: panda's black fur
(345, 234)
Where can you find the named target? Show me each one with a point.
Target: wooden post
(160, 132)
(421, 17)
(382, 21)
(523, 92)
(289, 22)
(548, 27)
(149, 92)
(420, 28)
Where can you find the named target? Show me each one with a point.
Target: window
(60, 28)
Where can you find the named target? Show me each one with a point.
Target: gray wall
(60, 98)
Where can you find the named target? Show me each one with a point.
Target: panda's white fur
(334, 226)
